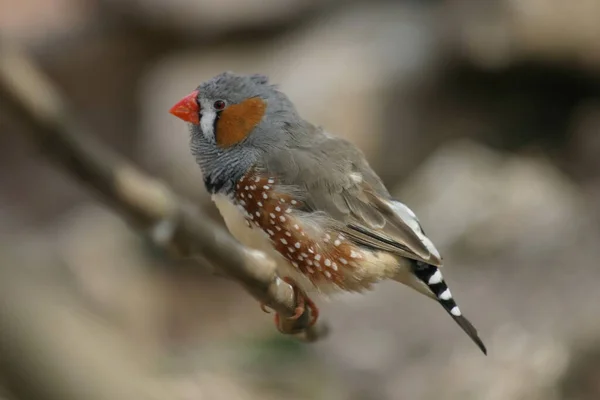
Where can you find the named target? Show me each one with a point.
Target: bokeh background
(484, 117)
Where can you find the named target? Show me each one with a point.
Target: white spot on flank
(272, 221)
(237, 186)
(278, 228)
(288, 234)
(257, 214)
(300, 258)
(297, 245)
(295, 264)
(296, 227)
(291, 250)
(328, 274)
(242, 195)
(257, 179)
(252, 187)
(343, 261)
(265, 196)
(266, 187)
(282, 200)
(455, 311)
(245, 187)
(334, 266)
(310, 270)
(242, 202)
(249, 195)
(446, 295)
(282, 218)
(288, 210)
(435, 278)
(318, 257)
(309, 262)
(278, 209)
(337, 242)
(354, 254)
(260, 204)
(271, 181)
(294, 202)
(270, 232)
(271, 215)
(328, 262)
(304, 254)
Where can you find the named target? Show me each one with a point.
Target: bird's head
(235, 120)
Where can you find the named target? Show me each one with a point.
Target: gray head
(235, 120)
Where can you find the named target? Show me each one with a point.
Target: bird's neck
(223, 168)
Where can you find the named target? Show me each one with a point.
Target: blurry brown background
(484, 117)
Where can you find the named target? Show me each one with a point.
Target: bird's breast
(255, 238)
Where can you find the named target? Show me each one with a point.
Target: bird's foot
(303, 301)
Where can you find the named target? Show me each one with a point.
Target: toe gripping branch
(297, 322)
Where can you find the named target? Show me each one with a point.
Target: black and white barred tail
(432, 277)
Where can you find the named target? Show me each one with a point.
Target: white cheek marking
(207, 123)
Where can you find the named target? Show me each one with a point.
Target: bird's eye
(219, 105)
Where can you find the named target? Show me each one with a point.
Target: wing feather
(337, 181)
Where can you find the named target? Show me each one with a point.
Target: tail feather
(432, 277)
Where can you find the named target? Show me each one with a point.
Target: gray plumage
(329, 174)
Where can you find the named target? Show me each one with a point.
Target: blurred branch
(52, 350)
(143, 201)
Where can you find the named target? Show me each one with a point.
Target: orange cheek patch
(238, 120)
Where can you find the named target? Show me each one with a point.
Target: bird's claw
(303, 302)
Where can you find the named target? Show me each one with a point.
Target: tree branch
(143, 201)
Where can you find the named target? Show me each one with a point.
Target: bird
(306, 197)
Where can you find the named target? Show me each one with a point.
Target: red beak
(187, 108)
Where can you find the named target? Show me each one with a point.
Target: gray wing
(334, 178)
